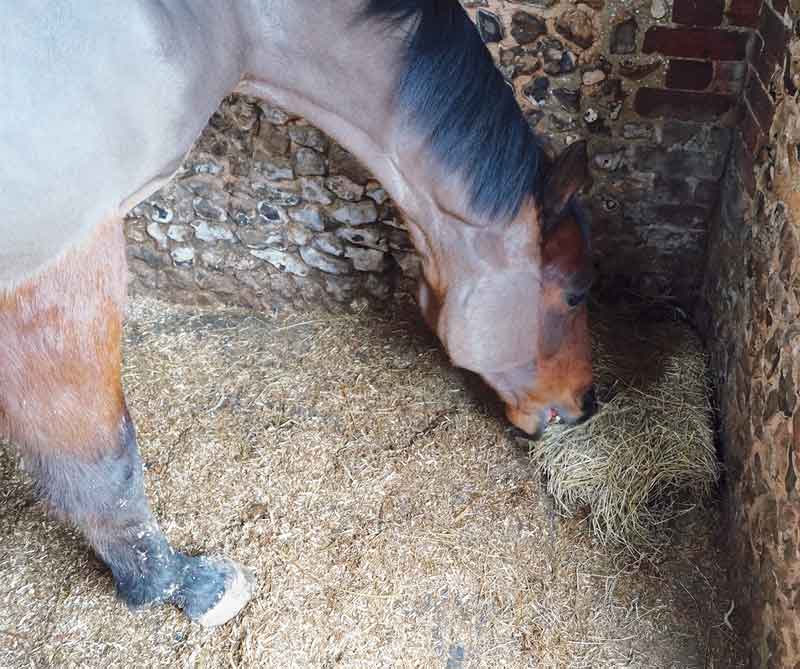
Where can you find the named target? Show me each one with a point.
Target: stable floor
(391, 519)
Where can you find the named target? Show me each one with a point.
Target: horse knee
(91, 490)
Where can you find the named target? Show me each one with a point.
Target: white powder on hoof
(238, 591)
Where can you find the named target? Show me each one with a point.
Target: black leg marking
(105, 499)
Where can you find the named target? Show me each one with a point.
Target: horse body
(120, 91)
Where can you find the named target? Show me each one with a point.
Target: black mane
(456, 97)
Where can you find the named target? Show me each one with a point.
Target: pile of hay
(648, 455)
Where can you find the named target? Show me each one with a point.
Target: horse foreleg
(62, 405)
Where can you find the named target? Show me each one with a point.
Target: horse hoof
(240, 584)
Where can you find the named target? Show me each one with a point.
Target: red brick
(752, 135)
(677, 162)
(780, 5)
(744, 12)
(729, 77)
(762, 105)
(693, 75)
(698, 12)
(703, 43)
(659, 103)
(773, 37)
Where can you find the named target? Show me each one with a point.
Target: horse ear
(569, 174)
(563, 242)
(565, 255)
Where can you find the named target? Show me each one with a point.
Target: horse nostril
(589, 402)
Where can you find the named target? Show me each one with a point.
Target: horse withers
(101, 103)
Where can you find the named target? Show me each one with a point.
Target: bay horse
(102, 101)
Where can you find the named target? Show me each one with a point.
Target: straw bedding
(390, 517)
(648, 455)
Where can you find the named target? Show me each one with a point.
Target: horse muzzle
(532, 425)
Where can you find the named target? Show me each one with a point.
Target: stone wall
(267, 210)
(752, 316)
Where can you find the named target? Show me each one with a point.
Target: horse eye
(575, 299)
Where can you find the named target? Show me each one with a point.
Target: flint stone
(323, 261)
(357, 213)
(286, 262)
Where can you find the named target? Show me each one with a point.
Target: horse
(103, 101)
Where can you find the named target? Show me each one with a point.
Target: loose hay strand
(649, 453)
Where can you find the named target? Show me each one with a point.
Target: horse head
(513, 309)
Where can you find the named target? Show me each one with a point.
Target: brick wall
(267, 210)
(752, 311)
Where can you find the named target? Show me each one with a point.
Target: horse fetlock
(213, 590)
(146, 569)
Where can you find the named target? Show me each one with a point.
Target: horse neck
(312, 58)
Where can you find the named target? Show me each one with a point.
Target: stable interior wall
(689, 110)
(268, 211)
(750, 313)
